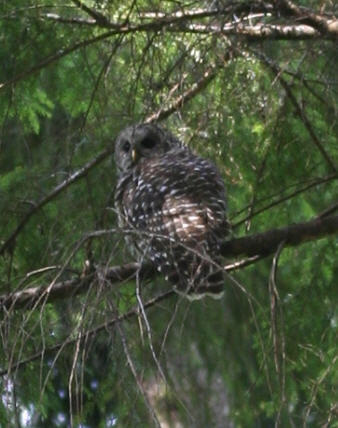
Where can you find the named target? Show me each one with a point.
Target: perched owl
(172, 203)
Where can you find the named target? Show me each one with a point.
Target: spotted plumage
(173, 204)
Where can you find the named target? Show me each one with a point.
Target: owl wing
(179, 195)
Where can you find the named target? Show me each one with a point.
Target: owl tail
(208, 282)
(211, 286)
(198, 279)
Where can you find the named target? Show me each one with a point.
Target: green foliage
(32, 106)
(196, 364)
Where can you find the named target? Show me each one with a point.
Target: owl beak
(134, 155)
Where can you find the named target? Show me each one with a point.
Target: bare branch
(73, 20)
(89, 333)
(99, 18)
(310, 24)
(137, 377)
(179, 102)
(285, 198)
(267, 242)
(328, 211)
(174, 18)
(259, 31)
(179, 22)
(10, 241)
(254, 32)
(320, 22)
(299, 110)
(261, 244)
(55, 57)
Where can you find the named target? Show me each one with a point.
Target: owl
(172, 205)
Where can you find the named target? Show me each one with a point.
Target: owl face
(140, 141)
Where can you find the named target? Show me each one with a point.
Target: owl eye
(126, 146)
(148, 143)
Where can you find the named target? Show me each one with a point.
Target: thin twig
(89, 333)
(254, 246)
(209, 74)
(278, 343)
(82, 172)
(299, 110)
(137, 378)
(285, 198)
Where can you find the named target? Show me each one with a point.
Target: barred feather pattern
(173, 203)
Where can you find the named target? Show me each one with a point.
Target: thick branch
(99, 18)
(323, 24)
(259, 31)
(261, 244)
(315, 26)
(267, 242)
(164, 19)
(310, 24)
(254, 32)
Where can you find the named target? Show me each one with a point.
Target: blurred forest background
(251, 85)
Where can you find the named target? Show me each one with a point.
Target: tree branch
(287, 197)
(82, 172)
(89, 333)
(320, 22)
(55, 57)
(261, 244)
(260, 31)
(181, 22)
(254, 32)
(299, 110)
(267, 242)
(310, 24)
(178, 103)
(99, 18)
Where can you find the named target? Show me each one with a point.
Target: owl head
(142, 141)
